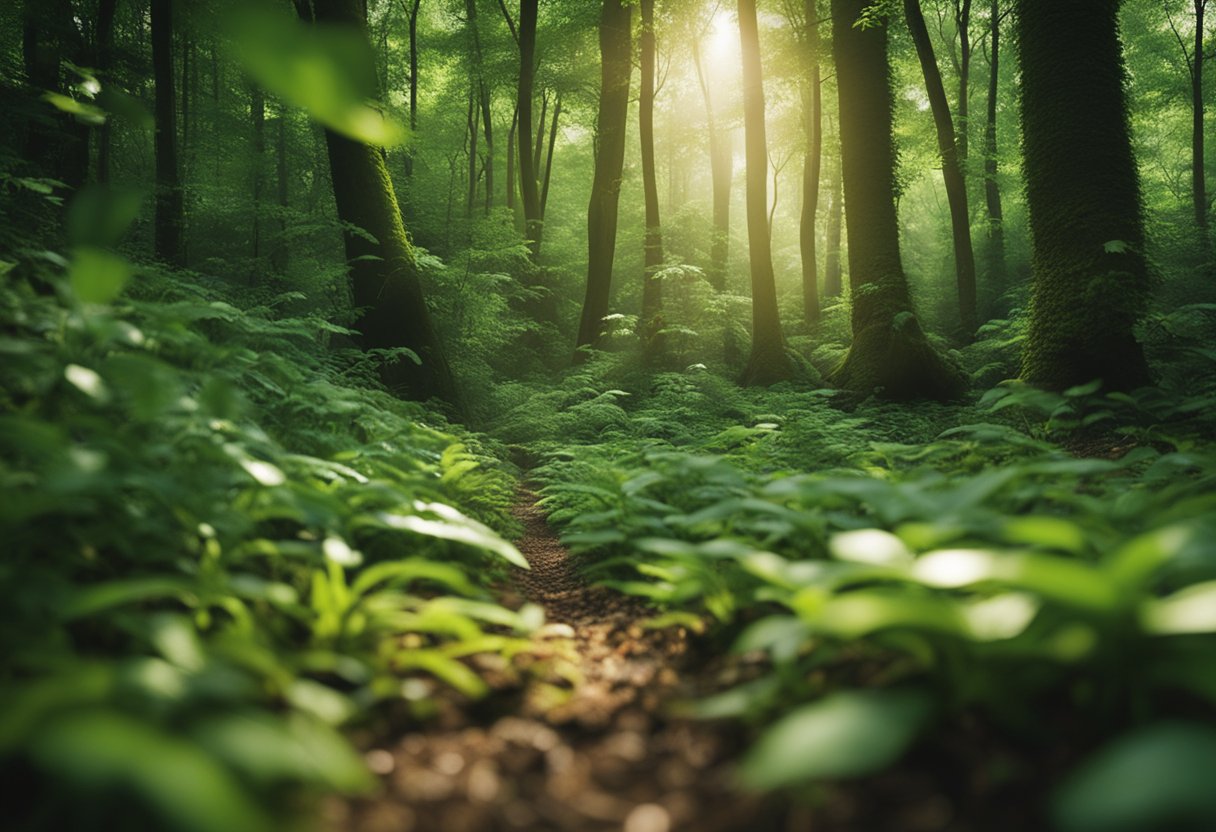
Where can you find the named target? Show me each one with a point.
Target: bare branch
(510, 23)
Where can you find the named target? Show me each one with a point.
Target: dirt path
(596, 753)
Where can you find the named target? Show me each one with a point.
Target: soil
(602, 753)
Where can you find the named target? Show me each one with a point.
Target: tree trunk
(616, 54)
(539, 146)
(1091, 283)
(768, 362)
(812, 114)
(280, 257)
(511, 158)
(257, 111)
(721, 170)
(652, 288)
(471, 126)
(413, 32)
(952, 171)
(1199, 190)
(962, 22)
(105, 60)
(169, 220)
(483, 97)
(890, 355)
(997, 278)
(529, 192)
(387, 290)
(50, 38)
(832, 283)
(544, 191)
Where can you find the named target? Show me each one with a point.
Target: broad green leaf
(99, 216)
(327, 70)
(446, 669)
(396, 573)
(846, 734)
(106, 596)
(189, 788)
(1157, 778)
(873, 546)
(1191, 610)
(96, 276)
(456, 527)
(298, 749)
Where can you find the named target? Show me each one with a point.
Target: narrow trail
(597, 753)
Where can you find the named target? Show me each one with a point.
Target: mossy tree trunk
(951, 153)
(889, 355)
(1091, 282)
(384, 273)
(615, 68)
(652, 288)
(768, 362)
(170, 219)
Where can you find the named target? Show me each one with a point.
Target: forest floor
(607, 749)
(603, 752)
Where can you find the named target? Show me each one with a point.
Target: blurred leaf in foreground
(327, 70)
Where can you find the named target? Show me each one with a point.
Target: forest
(637, 415)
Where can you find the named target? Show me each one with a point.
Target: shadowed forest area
(637, 415)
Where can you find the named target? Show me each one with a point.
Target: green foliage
(983, 567)
(223, 544)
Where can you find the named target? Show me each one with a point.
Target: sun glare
(722, 42)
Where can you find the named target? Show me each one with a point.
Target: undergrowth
(223, 546)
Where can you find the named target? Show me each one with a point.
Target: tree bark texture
(1090, 279)
(385, 281)
(768, 362)
(615, 68)
(889, 355)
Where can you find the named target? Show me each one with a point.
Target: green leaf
(1157, 778)
(454, 526)
(327, 70)
(96, 276)
(99, 215)
(847, 734)
(112, 594)
(192, 790)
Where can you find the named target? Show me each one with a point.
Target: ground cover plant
(405, 425)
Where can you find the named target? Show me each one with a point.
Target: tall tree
(831, 262)
(1091, 281)
(384, 272)
(483, 99)
(889, 354)
(170, 219)
(615, 67)
(992, 189)
(50, 43)
(652, 287)
(721, 170)
(812, 115)
(952, 169)
(962, 25)
(1195, 58)
(529, 191)
(768, 362)
(105, 60)
(257, 111)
